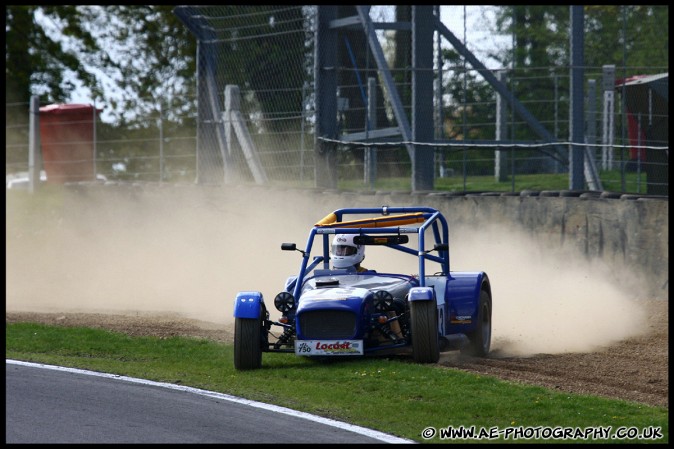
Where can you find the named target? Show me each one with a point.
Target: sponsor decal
(461, 319)
(329, 347)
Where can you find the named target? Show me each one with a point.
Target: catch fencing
(255, 117)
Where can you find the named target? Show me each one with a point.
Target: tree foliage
(632, 36)
(127, 57)
(153, 61)
(131, 57)
(37, 64)
(625, 36)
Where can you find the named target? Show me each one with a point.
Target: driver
(346, 255)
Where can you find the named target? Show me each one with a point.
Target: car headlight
(284, 302)
(383, 301)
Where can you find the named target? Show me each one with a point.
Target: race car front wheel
(424, 326)
(247, 343)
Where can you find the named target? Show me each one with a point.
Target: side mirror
(291, 247)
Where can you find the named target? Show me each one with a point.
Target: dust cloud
(188, 251)
(548, 299)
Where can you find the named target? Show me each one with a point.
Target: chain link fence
(159, 149)
(256, 118)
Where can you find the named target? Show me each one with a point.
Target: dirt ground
(636, 369)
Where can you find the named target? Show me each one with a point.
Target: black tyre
(424, 327)
(247, 343)
(479, 341)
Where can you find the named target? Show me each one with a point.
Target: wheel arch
(248, 305)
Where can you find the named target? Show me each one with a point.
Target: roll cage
(390, 229)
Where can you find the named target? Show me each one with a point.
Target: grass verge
(387, 394)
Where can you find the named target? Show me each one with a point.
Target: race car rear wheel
(247, 343)
(424, 326)
(479, 341)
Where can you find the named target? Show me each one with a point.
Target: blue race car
(328, 311)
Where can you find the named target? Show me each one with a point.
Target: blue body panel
(462, 297)
(248, 305)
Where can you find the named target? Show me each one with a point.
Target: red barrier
(67, 140)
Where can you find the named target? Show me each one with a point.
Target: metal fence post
(608, 114)
(501, 156)
(576, 154)
(371, 152)
(591, 134)
(34, 148)
(93, 125)
(161, 143)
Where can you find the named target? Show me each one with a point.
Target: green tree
(465, 115)
(36, 63)
(634, 37)
(541, 51)
(143, 52)
(630, 37)
(152, 62)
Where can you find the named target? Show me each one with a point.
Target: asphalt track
(50, 404)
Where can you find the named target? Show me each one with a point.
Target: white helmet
(345, 253)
